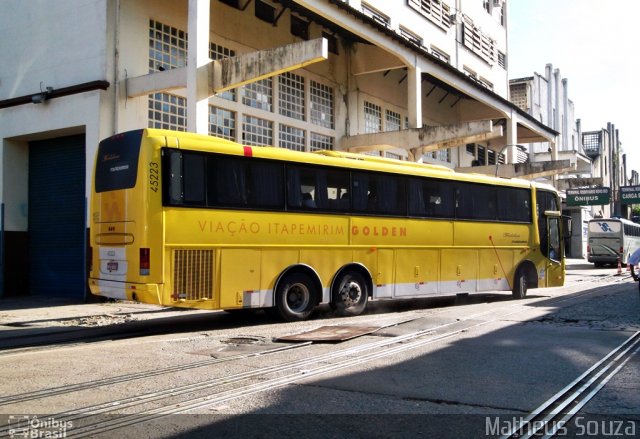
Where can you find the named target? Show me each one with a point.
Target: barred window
(222, 123)
(372, 118)
(256, 131)
(167, 47)
(320, 141)
(292, 138)
(321, 104)
(167, 111)
(216, 52)
(258, 94)
(291, 95)
(392, 120)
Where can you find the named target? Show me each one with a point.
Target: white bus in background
(611, 238)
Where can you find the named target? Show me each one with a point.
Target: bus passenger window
(227, 182)
(194, 186)
(175, 178)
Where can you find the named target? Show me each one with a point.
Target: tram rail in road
(553, 415)
(86, 424)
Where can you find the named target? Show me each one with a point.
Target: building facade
(421, 80)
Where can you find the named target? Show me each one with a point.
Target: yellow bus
(188, 220)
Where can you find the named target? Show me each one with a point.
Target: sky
(596, 46)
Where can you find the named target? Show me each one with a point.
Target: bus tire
(350, 294)
(295, 297)
(520, 284)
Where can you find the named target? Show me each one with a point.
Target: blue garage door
(57, 226)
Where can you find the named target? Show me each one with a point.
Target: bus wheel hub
(350, 293)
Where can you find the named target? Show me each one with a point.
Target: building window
(167, 47)
(292, 138)
(256, 131)
(392, 120)
(441, 55)
(222, 123)
(299, 27)
(410, 36)
(444, 155)
(477, 42)
(291, 100)
(372, 118)
(320, 141)
(482, 158)
(435, 11)
(167, 111)
(485, 83)
(321, 104)
(502, 60)
(471, 149)
(265, 11)
(376, 15)
(519, 95)
(258, 94)
(392, 155)
(216, 52)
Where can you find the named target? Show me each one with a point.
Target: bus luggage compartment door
(240, 279)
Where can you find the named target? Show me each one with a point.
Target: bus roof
(205, 143)
(615, 220)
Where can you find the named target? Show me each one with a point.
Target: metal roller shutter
(57, 226)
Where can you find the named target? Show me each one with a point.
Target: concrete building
(416, 79)
(595, 157)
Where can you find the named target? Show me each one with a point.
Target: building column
(511, 150)
(198, 56)
(414, 104)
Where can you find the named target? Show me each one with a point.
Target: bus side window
(264, 185)
(175, 177)
(194, 173)
(227, 182)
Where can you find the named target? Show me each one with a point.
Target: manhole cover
(242, 340)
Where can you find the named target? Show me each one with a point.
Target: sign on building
(593, 196)
(630, 194)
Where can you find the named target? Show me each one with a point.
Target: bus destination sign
(593, 196)
(630, 194)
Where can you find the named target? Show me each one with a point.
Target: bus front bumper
(145, 293)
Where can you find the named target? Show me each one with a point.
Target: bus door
(554, 251)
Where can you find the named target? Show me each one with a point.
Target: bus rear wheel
(350, 295)
(295, 297)
(520, 284)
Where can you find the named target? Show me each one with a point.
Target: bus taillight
(90, 259)
(145, 261)
(621, 250)
(588, 249)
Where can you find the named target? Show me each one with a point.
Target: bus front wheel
(351, 294)
(295, 297)
(520, 284)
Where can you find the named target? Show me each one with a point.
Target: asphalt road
(454, 367)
